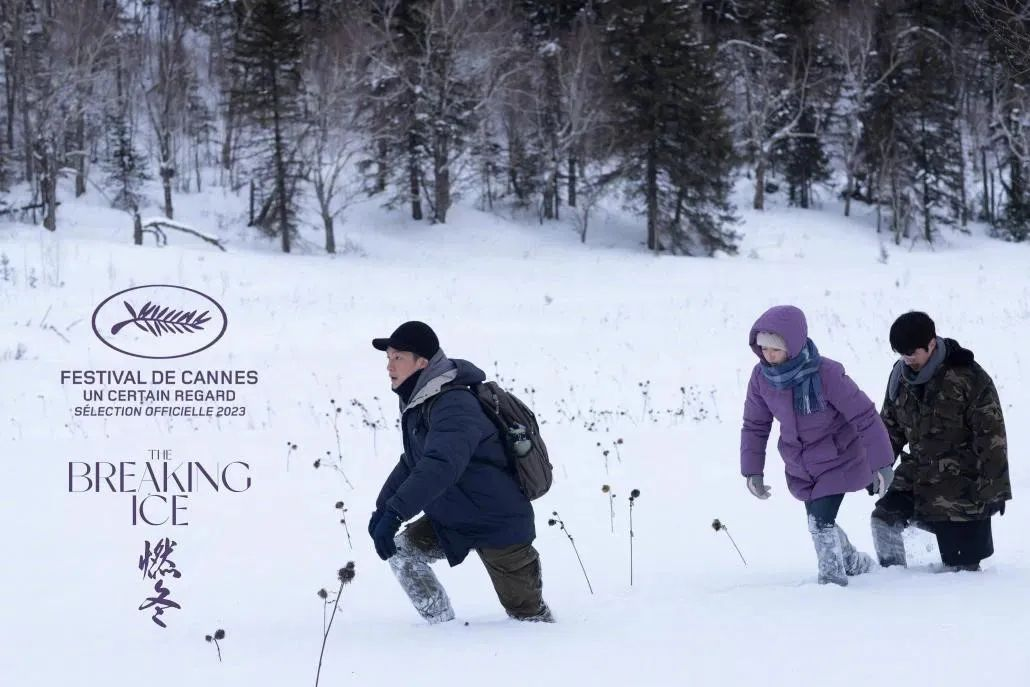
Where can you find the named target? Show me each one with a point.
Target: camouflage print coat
(957, 465)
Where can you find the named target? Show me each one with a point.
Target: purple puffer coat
(832, 451)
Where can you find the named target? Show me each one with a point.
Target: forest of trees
(917, 109)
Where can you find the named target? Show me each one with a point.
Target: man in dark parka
(454, 470)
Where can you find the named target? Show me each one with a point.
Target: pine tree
(435, 67)
(524, 163)
(793, 26)
(934, 134)
(912, 138)
(267, 96)
(395, 128)
(223, 22)
(804, 159)
(448, 98)
(885, 143)
(1013, 136)
(548, 26)
(546, 19)
(126, 167)
(201, 131)
(673, 140)
(1016, 218)
(779, 61)
(169, 82)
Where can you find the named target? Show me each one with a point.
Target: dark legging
(824, 510)
(960, 543)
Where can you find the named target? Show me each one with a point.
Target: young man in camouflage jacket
(955, 475)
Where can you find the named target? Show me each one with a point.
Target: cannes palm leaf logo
(158, 321)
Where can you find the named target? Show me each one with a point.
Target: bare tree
(1008, 24)
(24, 42)
(66, 81)
(766, 87)
(580, 92)
(1008, 119)
(598, 175)
(334, 139)
(854, 46)
(446, 75)
(166, 77)
(224, 25)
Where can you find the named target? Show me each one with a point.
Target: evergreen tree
(434, 69)
(395, 128)
(524, 163)
(885, 140)
(804, 159)
(267, 97)
(792, 27)
(673, 140)
(201, 131)
(126, 167)
(772, 60)
(548, 26)
(1013, 136)
(448, 101)
(934, 136)
(911, 136)
(1015, 221)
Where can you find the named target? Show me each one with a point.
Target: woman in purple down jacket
(831, 437)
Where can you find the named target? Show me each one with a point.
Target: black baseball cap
(414, 337)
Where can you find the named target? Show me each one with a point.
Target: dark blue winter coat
(454, 467)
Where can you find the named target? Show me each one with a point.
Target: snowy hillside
(607, 342)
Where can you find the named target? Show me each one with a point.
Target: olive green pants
(514, 572)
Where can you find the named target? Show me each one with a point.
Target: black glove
(384, 532)
(373, 520)
(996, 508)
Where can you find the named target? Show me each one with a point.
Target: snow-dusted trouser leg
(889, 544)
(515, 573)
(417, 547)
(829, 552)
(855, 561)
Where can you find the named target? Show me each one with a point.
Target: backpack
(519, 434)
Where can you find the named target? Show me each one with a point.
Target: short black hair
(912, 331)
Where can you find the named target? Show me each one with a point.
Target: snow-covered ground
(606, 341)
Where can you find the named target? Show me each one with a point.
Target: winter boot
(888, 542)
(544, 616)
(966, 567)
(855, 561)
(829, 552)
(410, 566)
